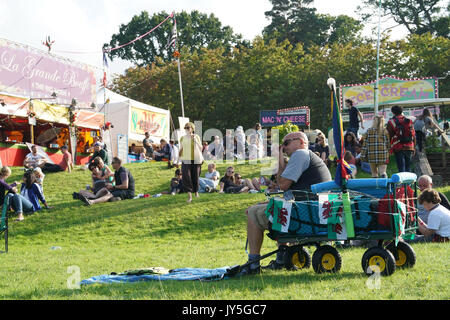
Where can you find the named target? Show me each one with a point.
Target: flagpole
(378, 61)
(179, 67)
(181, 87)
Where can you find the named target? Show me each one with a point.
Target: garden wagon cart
(381, 209)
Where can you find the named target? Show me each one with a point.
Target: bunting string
(120, 46)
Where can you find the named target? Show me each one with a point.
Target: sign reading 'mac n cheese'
(391, 89)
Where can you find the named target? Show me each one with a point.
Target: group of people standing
(400, 135)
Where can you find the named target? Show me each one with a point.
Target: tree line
(227, 80)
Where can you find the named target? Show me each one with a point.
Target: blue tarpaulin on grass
(182, 274)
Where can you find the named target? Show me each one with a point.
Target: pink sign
(36, 74)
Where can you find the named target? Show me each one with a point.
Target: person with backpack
(402, 137)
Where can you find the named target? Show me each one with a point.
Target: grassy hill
(166, 231)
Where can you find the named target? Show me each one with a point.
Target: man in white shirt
(438, 219)
(34, 160)
(240, 143)
(175, 154)
(211, 180)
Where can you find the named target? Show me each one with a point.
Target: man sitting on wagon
(303, 169)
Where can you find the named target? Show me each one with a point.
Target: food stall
(25, 120)
(130, 119)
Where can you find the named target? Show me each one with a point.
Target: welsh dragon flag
(279, 214)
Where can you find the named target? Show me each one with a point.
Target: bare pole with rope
(378, 62)
(177, 55)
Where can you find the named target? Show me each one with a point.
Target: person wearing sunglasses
(191, 160)
(228, 183)
(123, 189)
(303, 169)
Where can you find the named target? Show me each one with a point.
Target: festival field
(167, 232)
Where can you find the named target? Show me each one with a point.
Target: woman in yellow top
(191, 160)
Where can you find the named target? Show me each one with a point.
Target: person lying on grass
(124, 188)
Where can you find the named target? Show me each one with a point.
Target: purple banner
(270, 118)
(34, 73)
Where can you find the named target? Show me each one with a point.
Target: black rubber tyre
(326, 259)
(378, 258)
(406, 255)
(297, 258)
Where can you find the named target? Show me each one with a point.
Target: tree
(418, 16)
(295, 21)
(225, 90)
(195, 31)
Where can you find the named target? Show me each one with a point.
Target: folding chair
(4, 223)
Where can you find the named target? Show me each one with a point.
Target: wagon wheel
(406, 254)
(297, 257)
(380, 260)
(326, 259)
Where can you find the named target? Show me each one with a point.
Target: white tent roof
(117, 98)
(419, 103)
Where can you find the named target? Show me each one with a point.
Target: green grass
(208, 233)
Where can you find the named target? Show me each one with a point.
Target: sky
(85, 25)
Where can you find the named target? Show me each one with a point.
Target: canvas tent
(130, 119)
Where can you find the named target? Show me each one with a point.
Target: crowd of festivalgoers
(371, 152)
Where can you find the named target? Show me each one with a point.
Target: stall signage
(272, 118)
(142, 121)
(122, 147)
(391, 89)
(31, 72)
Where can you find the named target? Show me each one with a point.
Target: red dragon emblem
(282, 216)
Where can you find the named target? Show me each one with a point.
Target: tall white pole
(378, 60)
(181, 87)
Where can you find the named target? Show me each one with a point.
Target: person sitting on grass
(100, 178)
(176, 184)
(438, 224)
(271, 183)
(31, 192)
(322, 148)
(34, 159)
(5, 173)
(67, 162)
(99, 152)
(228, 183)
(164, 152)
(350, 140)
(253, 184)
(39, 176)
(211, 180)
(124, 188)
(17, 202)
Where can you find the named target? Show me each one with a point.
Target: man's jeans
(203, 183)
(403, 158)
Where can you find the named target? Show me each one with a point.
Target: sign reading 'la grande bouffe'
(30, 72)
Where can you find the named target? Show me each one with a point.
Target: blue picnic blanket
(182, 274)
